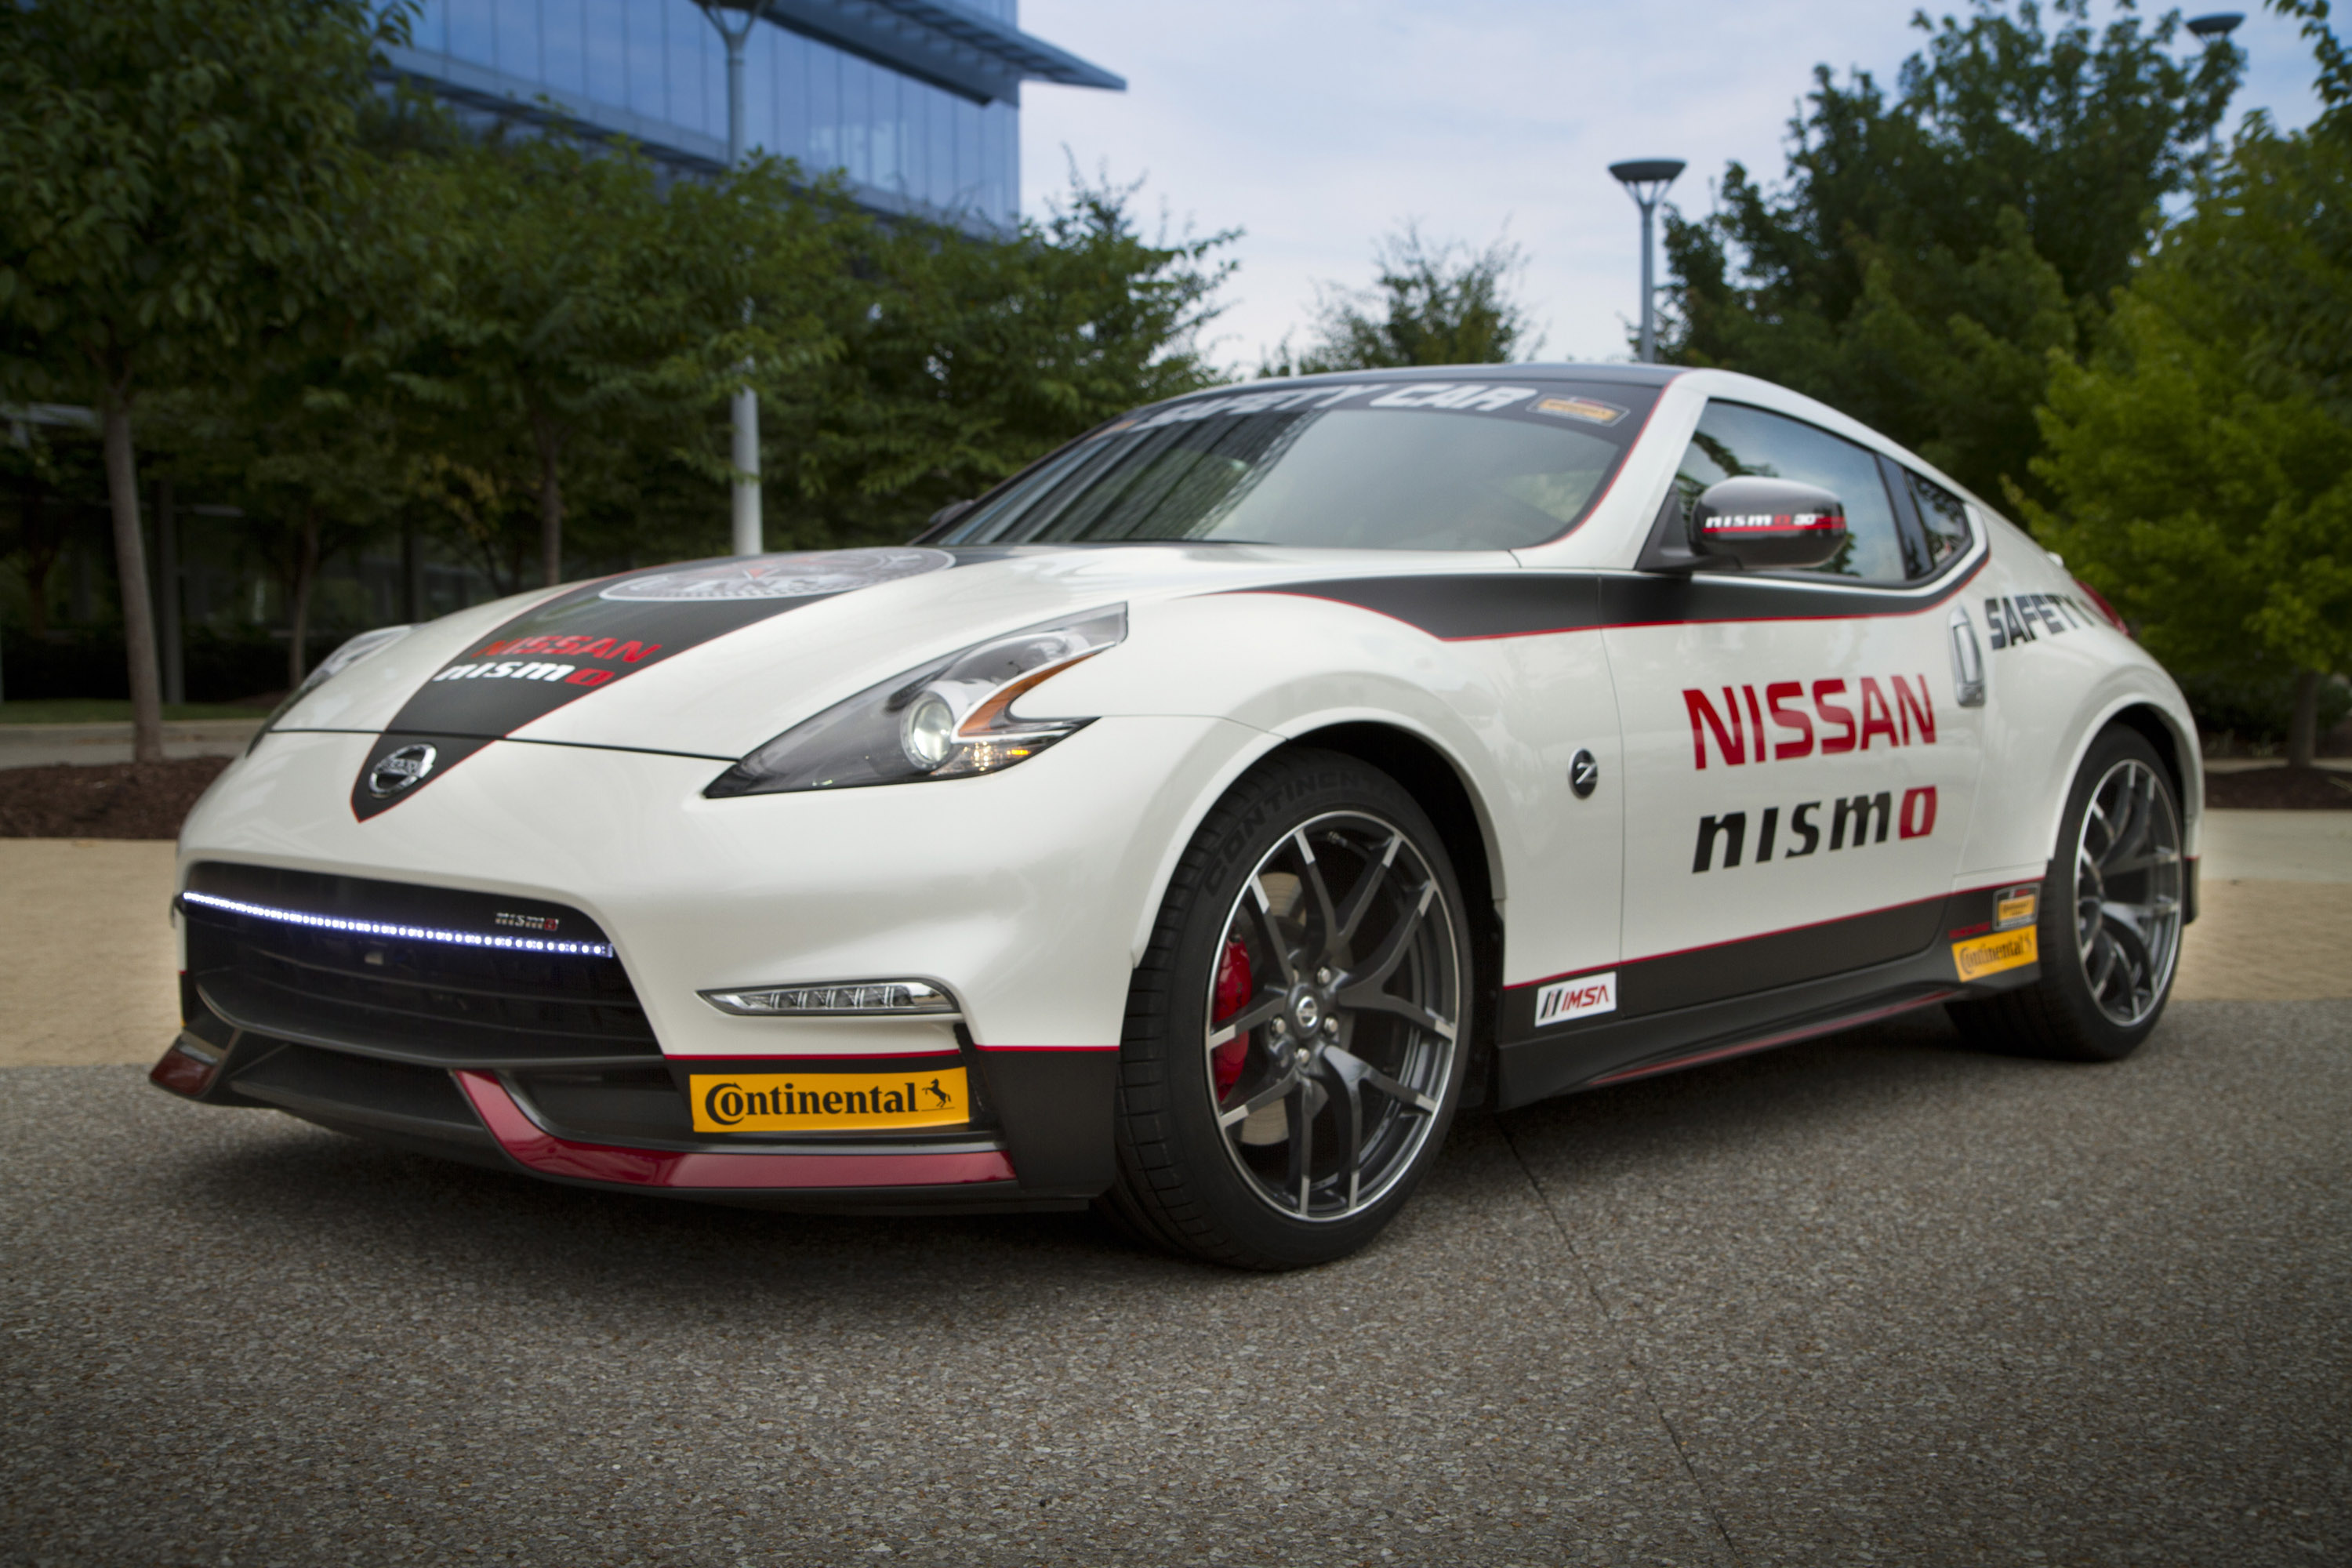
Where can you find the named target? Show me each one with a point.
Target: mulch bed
(2280, 789)
(106, 800)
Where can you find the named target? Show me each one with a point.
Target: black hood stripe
(593, 636)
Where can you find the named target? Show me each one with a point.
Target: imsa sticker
(1983, 955)
(1585, 997)
(2016, 907)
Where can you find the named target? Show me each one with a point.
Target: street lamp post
(1645, 180)
(745, 14)
(2214, 30)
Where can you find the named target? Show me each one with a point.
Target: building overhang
(950, 46)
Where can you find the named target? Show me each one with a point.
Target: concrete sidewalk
(92, 981)
(38, 745)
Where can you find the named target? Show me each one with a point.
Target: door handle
(1967, 659)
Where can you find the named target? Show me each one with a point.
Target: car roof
(1520, 370)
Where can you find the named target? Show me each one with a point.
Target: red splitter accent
(536, 1148)
(182, 1073)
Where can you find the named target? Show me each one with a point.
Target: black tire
(2105, 977)
(1197, 1166)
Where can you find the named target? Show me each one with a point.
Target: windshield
(1378, 465)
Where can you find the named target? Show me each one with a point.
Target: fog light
(854, 999)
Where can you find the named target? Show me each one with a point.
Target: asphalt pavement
(1873, 1300)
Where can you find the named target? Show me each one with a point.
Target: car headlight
(333, 665)
(949, 721)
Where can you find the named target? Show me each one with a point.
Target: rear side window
(1943, 520)
(1734, 440)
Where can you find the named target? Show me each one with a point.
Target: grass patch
(108, 711)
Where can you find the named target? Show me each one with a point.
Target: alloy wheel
(1333, 1010)
(2127, 891)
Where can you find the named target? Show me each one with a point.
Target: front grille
(436, 976)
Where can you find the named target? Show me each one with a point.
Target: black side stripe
(1483, 604)
(1464, 608)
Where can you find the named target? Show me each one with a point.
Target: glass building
(918, 102)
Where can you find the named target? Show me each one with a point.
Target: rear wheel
(1295, 1033)
(2109, 931)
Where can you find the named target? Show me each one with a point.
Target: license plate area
(771, 1104)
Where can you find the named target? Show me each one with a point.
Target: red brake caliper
(1236, 987)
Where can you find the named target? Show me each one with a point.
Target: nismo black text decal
(1914, 818)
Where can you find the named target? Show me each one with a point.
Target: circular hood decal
(792, 577)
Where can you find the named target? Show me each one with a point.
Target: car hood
(711, 659)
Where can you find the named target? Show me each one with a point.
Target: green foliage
(1927, 252)
(339, 312)
(963, 359)
(571, 323)
(2202, 462)
(173, 178)
(1429, 304)
(174, 181)
(2255, 704)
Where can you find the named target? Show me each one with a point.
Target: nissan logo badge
(402, 770)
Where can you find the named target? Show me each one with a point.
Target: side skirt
(1607, 1050)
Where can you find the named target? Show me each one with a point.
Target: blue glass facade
(656, 70)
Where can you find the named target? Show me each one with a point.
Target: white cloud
(1317, 127)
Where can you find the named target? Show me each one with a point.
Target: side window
(1734, 440)
(1943, 518)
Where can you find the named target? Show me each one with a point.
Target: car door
(1799, 770)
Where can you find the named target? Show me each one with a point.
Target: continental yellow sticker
(2015, 907)
(829, 1101)
(1983, 955)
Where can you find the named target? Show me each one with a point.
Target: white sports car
(1194, 823)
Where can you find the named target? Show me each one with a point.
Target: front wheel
(2109, 928)
(1296, 1032)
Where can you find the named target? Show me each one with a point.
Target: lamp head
(2217, 27)
(1646, 179)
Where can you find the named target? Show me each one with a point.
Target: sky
(1317, 126)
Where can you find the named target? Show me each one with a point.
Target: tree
(1429, 304)
(1925, 254)
(44, 479)
(962, 358)
(579, 319)
(174, 180)
(2202, 462)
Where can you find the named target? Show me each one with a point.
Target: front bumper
(1023, 893)
(625, 1129)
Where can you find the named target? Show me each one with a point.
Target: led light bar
(856, 999)
(405, 932)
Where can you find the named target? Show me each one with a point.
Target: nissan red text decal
(1824, 717)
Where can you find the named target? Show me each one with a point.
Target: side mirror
(1762, 525)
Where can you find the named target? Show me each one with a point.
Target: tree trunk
(2302, 727)
(551, 503)
(131, 570)
(297, 603)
